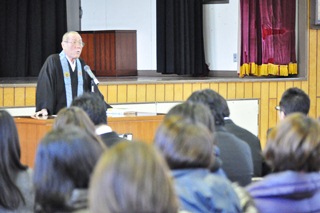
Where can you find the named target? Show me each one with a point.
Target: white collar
(102, 129)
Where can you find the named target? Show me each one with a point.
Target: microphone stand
(92, 85)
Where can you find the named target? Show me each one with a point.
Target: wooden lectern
(110, 52)
(142, 126)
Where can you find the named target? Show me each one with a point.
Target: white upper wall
(220, 28)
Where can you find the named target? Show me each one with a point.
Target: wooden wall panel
(30, 96)
(178, 92)
(132, 93)
(248, 90)
(122, 93)
(112, 94)
(160, 93)
(141, 93)
(187, 90)
(1, 97)
(239, 90)
(169, 93)
(151, 93)
(19, 96)
(231, 91)
(8, 97)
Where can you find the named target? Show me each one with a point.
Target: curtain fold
(268, 38)
(31, 30)
(180, 47)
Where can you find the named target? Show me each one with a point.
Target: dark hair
(65, 159)
(294, 100)
(132, 177)
(294, 144)
(213, 100)
(184, 144)
(78, 117)
(10, 165)
(93, 105)
(196, 112)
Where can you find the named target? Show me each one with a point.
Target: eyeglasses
(278, 108)
(74, 43)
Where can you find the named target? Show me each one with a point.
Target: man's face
(72, 46)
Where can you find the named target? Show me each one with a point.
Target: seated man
(252, 140)
(96, 109)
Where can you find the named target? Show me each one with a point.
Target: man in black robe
(62, 77)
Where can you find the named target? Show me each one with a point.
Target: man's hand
(43, 112)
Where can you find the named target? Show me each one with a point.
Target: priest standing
(62, 77)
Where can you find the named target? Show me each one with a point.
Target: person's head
(10, 196)
(294, 100)
(213, 100)
(184, 144)
(65, 160)
(78, 117)
(93, 105)
(294, 144)
(72, 44)
(132, 177)
(196, 112)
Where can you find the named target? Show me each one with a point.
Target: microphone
(88, 70)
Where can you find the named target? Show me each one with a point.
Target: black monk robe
(51, 94)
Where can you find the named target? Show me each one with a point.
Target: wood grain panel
(132, 93)
(8, 97)
(187, 90)
(248, 90)
(264, 116)
(30, 96)
(151, 93)
(122, 94)
(160, 93)
(231, 91)
(214, 86)
(273, 90)
(1, 97)
(141, 93)
(112, 94)
(196, 87)
(223, 89)
(239, 90)
(169, 92)
(19, 96)
(256, 90)
(178, 92)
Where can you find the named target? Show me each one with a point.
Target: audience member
(16, 194)
(293, 153)
(235, 153)
(63, 77)
(65, 160)
(293, 100)
(132, 177)
(187, 148)
(245, 135)
(95, 107)
(198, 112)
(76, 116)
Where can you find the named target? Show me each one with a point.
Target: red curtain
(268, 37)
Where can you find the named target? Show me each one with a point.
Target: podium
(142, 127)
(110, 52)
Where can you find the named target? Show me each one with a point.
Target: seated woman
(78, 117)
(132, 177)
(16, 194)
(293, 153)
(198, 112)
(64, 162)
(187, 148)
